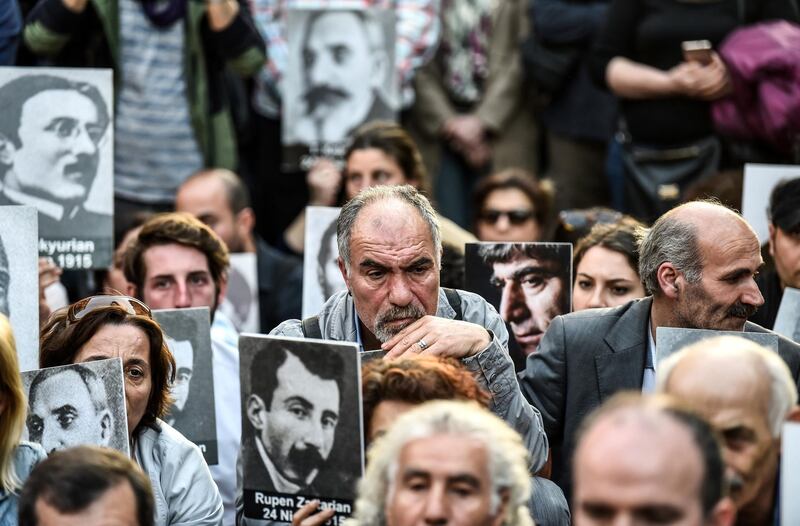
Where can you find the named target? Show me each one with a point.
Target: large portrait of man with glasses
(54, 132)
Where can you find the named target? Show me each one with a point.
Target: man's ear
(669, 280)
(106, 425)
(245, 222)
(724, 513)
(502, 509)
(255, 411)
(343, 270)
(772, 232)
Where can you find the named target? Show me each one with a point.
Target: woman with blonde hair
(17, 458)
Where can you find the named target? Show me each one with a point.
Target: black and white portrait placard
(77, 404)
(19, 280)
(240, 304)
(787, 322)
(57, 140)
(321, 275)
(759, 181)
(301, 425)
(341, 73)
(790, 475)
(528, 283)
(192, 413)
(670, 340)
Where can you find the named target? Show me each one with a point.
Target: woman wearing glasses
(512, 206)
(17, 458)
(103, 327)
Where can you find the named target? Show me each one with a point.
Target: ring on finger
(422, 344)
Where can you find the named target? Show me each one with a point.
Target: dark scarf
(164, 13)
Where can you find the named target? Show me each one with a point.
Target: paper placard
(301, 425)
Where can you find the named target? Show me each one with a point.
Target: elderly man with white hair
(746, 392)
(444, 463)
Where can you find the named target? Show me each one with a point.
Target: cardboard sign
(192, 413)
(58, 133)
(77, 404)
(301, 425)
(528, 283)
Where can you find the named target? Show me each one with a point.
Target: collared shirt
(227, 409)
(649, 378)
(48, 208)
(282, 484)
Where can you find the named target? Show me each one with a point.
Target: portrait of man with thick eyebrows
(346, 63)
(68, 406)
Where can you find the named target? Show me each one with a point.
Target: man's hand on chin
(436, 336)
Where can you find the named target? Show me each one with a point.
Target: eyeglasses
(577, 219)
(81, 308)
(515, 217)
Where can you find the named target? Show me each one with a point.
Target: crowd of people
(571, 148)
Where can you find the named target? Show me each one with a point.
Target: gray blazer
(584, 358)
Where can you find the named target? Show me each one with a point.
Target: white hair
(508, 458)
(783, 391)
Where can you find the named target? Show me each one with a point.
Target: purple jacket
(764, 65)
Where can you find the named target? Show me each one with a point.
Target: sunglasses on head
(515, 217)
(81, 308)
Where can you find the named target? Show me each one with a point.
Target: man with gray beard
(390, 255)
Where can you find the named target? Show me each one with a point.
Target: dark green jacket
(91, 39)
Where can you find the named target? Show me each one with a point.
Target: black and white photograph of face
(301, 425)
(240, 304)
(56, 138)
(787, 322)
(759, 181)
(19, 280)
(321, 275)
(528, 283)
(78, 404)
(790, 476)
(670, 340)
(188, 336)
(341, 72)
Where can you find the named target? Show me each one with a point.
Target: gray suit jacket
(584, 358)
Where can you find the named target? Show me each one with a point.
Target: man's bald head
(219, 198)
(746, 392)
(639, 458)
(731, 370)
(681, 236)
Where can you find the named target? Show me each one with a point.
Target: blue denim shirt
(26, 456)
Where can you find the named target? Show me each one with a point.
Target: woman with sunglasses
(103, 327)
(512, 206)
(17, 458)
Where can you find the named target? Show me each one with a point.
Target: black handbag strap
(455, 301)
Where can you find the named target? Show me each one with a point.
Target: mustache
(305, 460)
(411, 310)
(323, 94)
(741, 310)
(735, 484)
